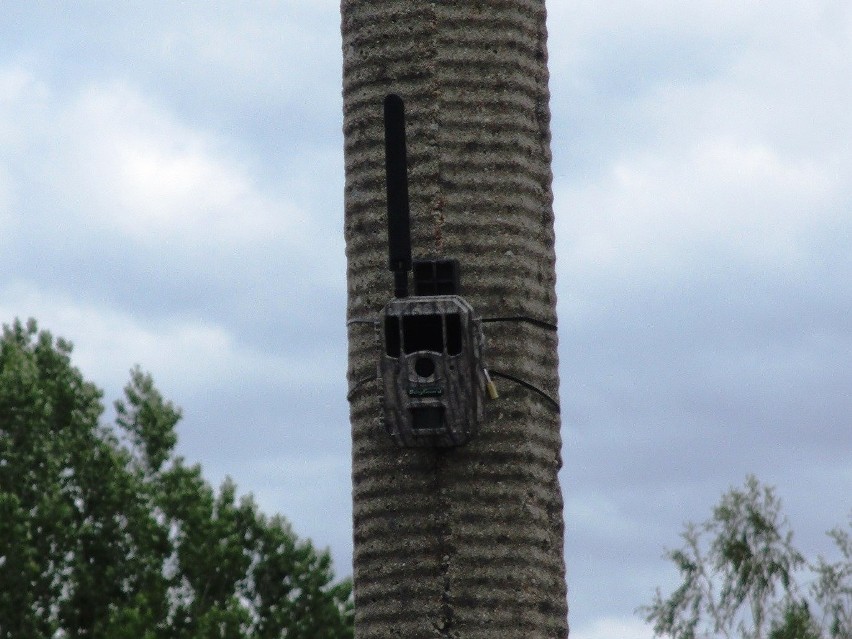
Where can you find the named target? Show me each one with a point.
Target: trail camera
(431, 370)
(431, 364)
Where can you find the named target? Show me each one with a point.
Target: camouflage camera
(431, 362)
(431, 371)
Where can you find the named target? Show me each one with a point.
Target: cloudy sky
(171, 179)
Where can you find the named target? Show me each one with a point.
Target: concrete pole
(464, 542)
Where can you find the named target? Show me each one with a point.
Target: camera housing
(431, 372)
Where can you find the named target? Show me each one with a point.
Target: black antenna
(396, 171)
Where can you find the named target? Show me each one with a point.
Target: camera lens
(424, 366)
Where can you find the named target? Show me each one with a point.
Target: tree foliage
(105, 533)
(740, 577)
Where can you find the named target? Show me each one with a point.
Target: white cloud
(599, 514)
(21, 95)
(751, 157)
(7, 218)
(184, 355)
(592, 28)
(104, 169)
(22, 99)
(613, 628)
(238, 45)
(135, 169)
(661, 211)
(107, 157)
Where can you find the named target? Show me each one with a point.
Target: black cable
(523, 318)
(510, 318)
(527, 385)
(358, 385)
(362, 320)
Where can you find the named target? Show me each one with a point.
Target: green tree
(833, 587)
(739, 577)
(104, 532)
(796, 622)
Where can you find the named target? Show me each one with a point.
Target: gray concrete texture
(464, 542)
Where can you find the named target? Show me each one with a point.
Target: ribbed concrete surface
(466, 542)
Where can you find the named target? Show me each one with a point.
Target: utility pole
(462, 541)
